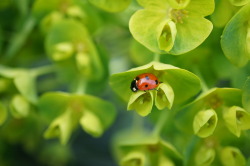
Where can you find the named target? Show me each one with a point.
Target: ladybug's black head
(133, 86)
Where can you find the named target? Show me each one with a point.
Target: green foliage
(65, 111)
(236, 35)
(171, 26)
(65, 65)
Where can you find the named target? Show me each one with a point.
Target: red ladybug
(145, 81)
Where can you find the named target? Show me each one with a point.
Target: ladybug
(145, 81)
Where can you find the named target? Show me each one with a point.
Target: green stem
(137, 123)
(81, 86)
(157, 57)
(164, 117)
(18, 40)
(43, 70)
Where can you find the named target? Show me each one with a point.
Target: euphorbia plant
(174, 81)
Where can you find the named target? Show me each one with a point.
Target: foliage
(66, 67)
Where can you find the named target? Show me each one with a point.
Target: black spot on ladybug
(156, 82)
(146, 85)
(137, 78)
(147, 77)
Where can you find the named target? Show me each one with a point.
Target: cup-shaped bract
(214, 99)
(164, 96)
(205, 122)
(69, 40)
(232, 156)
(135, 158)
(236, 119)
(142, 149)
(19, 106)
(204, 156)
(172, 26)
(175, 88)
(65, 111)
(24, 81)
(142, 102)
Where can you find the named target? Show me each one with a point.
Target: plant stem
(19, 38)
(43, 70)
(164, 117)
(156, 57)
(137, 123)
(81, 86)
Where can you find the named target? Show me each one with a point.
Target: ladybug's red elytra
(145, 81)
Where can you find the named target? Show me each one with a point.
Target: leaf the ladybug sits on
(177, 86)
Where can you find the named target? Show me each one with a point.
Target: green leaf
(179, 79)
(3, 113)
(25, 82)
(205, 123)
(135, 158)
(91, 124)
(163, 160)
(172, 26)
(197, 6)
(66, 111)
(246, 95)
(235, 36)
(164, 96)
(141, 102)
(204, 156)
(53, 104)
(100, 115)
(166, 37)
(239, 2)
(111, 5)
(215, 98)
(151, 28)
(69, 40)
(19, 106)
(231, 156)
(62, 51)
(236, 119)
(191, 32)
(62, 127)
(178, 4)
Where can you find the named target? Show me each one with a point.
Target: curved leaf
(179, 79)
(239, 2)
(236, 119)
(141, 102)
(19, 106)
(191, 33)
(205, 123)
(205, 156)
(164, 96)
(234, 38)
(231, 156)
